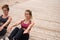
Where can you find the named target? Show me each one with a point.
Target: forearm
(5, 24)
(15, 24)
(29, 28)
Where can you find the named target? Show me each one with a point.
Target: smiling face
(28, 14)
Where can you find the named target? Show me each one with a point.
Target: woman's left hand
(25, 32)
(1, 28)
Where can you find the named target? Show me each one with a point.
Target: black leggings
(3, 32)
(17, 34)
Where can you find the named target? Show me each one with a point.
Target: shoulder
(32, 22)
(10, 17)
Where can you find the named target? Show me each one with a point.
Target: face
(5, 11)
(27, 15)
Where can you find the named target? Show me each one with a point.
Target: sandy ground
(46, 15)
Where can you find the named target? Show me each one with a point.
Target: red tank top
(24, 25)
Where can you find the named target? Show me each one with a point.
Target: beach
(46, 15)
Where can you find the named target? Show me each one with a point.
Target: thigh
(3, 32)
(19, 34)
(13, 33)
(25, 36)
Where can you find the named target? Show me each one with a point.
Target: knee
(16, 28)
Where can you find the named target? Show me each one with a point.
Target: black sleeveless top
(3, 20)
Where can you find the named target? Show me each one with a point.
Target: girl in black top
(5, 19)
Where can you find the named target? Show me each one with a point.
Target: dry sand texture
(46, 14)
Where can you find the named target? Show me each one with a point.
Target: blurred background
(46, 15)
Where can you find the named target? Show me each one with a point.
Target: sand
(46, 15)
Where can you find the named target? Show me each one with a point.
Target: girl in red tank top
(24, 25)
(23, 32)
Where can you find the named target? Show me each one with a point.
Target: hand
(1, 28)
(25, 32)
(9, 29)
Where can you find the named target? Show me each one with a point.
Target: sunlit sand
(46, 15)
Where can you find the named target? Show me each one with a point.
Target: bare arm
(29, 28)
(8, 21)
(15, 24)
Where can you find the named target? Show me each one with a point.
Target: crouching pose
(23, 32)
(5, 19)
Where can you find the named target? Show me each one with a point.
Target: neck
(27, 19)
(5, 15)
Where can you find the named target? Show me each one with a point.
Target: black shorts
(17, 34)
